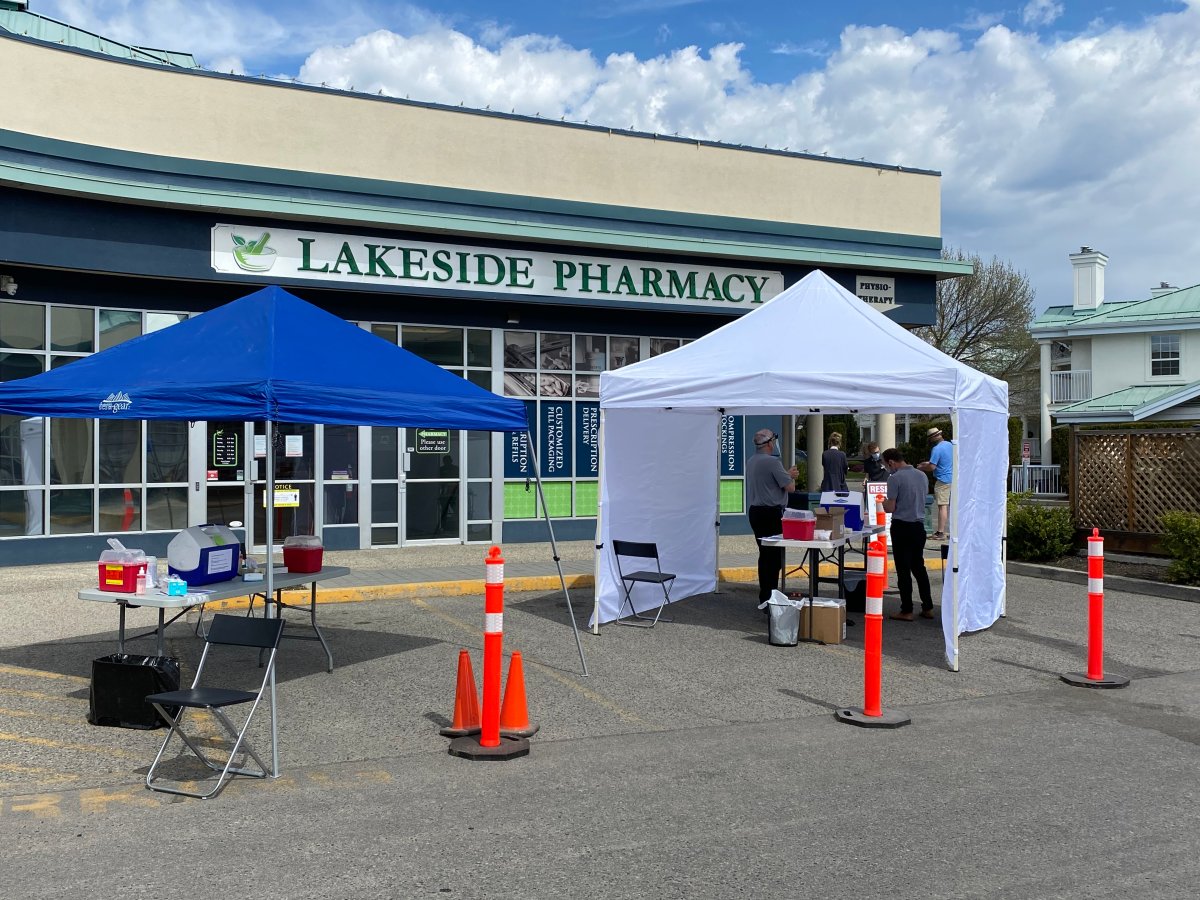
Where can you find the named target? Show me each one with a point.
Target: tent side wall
(980, 482)
(657, 469)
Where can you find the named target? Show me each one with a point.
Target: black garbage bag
(121, 683)
(854, 586)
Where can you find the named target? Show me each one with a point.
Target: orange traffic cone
(514, 716)
(466, 700)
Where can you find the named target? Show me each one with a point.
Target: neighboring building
(524, 254)
(1118, 361)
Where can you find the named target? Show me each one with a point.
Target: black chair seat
(200, 697)
(650, 577)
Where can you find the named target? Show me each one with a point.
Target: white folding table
(222, 590)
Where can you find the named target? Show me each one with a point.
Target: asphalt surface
(695, 761)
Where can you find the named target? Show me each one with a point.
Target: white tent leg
(954, 538)
(554, 549)
(1004, 564)
(599, 546)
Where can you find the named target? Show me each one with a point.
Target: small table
(221, 590)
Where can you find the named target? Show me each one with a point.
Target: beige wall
(108, 103)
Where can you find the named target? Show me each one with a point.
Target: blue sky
(1054, 123)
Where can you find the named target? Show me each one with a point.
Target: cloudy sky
(1054, 123)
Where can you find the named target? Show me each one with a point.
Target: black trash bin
(121, 683)
(854, 586)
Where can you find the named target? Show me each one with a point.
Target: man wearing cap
(941, 464)
(767, 486)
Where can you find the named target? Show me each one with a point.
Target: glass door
(432, 497)
(226, 460)
(295, 483)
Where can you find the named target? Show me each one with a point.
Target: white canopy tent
(813, 348)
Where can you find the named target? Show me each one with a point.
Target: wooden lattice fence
(1123, 481)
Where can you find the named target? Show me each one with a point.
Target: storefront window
(120, 509)
(70, 453)
(441, 346)
(166, 509)
(118, 326)
(479, 348)
(159, 321)
(71, 512)
(22, 326)
(20, 365)
(20, 513)
(166, 452)
(71, 329)
(120, 451)
(341, 504)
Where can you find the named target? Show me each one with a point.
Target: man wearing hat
(941, 464)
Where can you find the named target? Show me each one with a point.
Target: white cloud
(1037, 13)
(1044, 144)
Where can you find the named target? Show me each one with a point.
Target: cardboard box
(833, 520)
(828, 621)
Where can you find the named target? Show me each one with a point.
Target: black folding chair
(229, 631)
(641, 550)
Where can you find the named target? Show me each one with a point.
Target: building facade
(528, 256)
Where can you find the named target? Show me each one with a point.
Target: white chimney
(1089, 278)
(1163, 288)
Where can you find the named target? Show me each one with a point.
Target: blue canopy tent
(271, 357)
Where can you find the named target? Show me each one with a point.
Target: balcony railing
(1038, 479)
(1071, 387)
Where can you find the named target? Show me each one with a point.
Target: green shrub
(1037, 533)
(1060, 450)
(1015, 435)
(1182, 542)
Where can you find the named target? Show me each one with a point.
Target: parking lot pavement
(695, 761)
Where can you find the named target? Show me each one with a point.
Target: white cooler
(204, 554)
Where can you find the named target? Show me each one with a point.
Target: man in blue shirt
(941, 464)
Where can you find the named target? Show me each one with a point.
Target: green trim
(230, 204)
(130, 160)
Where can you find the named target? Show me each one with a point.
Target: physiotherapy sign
(424, 265)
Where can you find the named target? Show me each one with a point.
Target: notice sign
(432, 441)
(878, 291)
(286, 495)
(1026, 449)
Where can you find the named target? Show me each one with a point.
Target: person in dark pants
(767, 486)
(906, 502)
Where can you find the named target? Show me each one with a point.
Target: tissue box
(828, 621)
(832, 520)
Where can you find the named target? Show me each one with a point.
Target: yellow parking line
(64, 745)
(39, 673)
(45, 717)
(39, 695)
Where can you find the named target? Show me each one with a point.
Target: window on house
(1164, 354)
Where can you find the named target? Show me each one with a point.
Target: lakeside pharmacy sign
(350, 259)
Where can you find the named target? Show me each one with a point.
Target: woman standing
(833, 462)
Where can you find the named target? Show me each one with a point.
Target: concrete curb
(1116, 582)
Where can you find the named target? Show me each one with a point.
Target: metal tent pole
(270, 583)
(554, 548)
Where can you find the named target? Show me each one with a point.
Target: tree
(983, 320)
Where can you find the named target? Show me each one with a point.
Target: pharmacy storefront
(531, 259)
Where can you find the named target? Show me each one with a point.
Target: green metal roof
(1182, 304)
(1131, 404)
(41, 28)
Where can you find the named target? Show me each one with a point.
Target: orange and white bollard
(1095, 677)
(493, 648)
(872, 714)
(489, 744)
